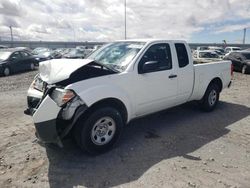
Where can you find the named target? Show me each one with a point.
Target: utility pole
(244, 35)
(11, 35)
(125, 17)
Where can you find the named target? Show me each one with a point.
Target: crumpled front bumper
(52, 122)
(45, 118)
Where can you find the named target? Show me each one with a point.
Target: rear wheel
(211, 98)
(6, 71)
(244, 69)
(99, 131)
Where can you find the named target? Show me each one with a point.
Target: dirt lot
(180, 147)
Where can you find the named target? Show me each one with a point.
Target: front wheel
(99, 131)
(244, 69)
(32, 66)
(6, 71)
(211, 98)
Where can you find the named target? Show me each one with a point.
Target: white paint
(56, 70)
(142, 94)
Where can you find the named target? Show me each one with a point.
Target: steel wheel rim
(212, 97)
(103, 131)
(6, 71)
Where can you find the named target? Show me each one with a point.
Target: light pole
(244, 35)
(11, 35)
(125, 19)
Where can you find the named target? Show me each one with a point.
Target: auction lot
(179, 147)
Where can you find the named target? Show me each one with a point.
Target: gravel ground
(179, 147)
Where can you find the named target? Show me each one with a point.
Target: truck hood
(56, 70)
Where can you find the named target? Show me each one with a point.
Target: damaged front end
(56, 114)
(55, 109)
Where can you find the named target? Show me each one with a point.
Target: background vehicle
(3, 47)
(240, 61)
(75, 54)
(205, 56)
(121, 81)
(217, 49)
(232, 49)
(13, 60)
(201, 48)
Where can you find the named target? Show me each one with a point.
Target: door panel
(156, 90)
(26, 60)
(15, 64)
(185, 73)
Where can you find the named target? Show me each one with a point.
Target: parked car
(219, 50)
(3, 47)
(47, 54)
(232, 49)
(240, 61)
(205, 56)
(95, 97)
(201, 48)
(40, 50)
(75, 54)
(13, 60)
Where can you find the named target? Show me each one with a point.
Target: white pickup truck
(95, 97)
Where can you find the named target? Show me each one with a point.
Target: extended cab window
(182, 54)
(159, 55)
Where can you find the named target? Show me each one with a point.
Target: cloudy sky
(103, 20)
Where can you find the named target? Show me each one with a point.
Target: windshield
(208, 55)
(117, 55)
(236, 49)
(4, 55)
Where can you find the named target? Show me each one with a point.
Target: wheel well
(110, 102)
(218, 82)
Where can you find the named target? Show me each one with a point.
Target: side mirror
(150, 66)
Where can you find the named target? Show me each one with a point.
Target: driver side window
(160, 54)
(15, 56)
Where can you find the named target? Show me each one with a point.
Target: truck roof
(152, 40)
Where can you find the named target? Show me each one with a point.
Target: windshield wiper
(109, 67)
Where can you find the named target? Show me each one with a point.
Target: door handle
(172, 76)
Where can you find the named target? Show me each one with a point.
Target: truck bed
(204, 73)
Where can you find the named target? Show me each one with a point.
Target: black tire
(6, 71)
(84, 128)
(211, 98)
(244, 69)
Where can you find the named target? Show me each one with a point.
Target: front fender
(97, 93)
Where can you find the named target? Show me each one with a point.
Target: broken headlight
(62, 96)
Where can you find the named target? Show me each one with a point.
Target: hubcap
(103, 131)
(6, 71)
(32, 66)
(212, 97)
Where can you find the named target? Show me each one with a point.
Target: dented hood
(56, 70)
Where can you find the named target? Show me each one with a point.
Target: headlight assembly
(62, 96)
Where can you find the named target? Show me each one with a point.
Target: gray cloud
(11, 8)
(104, 20)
